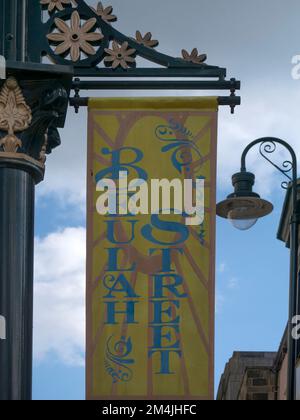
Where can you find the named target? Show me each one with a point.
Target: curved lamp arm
(268, 146)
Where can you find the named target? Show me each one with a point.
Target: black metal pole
(294, 243)
(17, 185)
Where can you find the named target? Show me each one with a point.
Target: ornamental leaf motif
(15, 114)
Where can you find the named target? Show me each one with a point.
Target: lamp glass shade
(243, 212)
(238, 220)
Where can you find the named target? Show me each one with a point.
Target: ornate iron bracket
(74, 33)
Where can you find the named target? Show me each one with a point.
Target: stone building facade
(248, 376)
(254, 376)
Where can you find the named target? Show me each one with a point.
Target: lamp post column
(30, 111)
(17, 185)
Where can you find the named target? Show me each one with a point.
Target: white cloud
(65, 177)
(59, 309)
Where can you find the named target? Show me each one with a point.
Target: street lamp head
(243, 207)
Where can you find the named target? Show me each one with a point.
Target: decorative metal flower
(146, 40)
(75, 38)
(119, 55)
(56, 4)
(105, 12)
(194, 57)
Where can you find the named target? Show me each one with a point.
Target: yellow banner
(150, 259)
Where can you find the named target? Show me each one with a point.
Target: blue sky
(256, 43)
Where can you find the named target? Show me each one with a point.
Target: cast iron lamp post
(243, 207)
